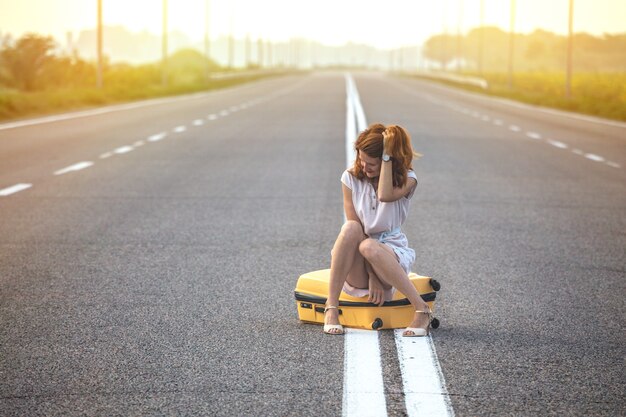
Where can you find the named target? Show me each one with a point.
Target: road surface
(149, 253)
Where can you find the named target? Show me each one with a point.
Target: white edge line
(14, 189)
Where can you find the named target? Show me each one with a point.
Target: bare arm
(348, 205)
(386, 191)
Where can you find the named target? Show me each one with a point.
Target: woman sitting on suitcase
(371, 254)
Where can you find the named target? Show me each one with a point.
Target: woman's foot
(420, 324)
(331, 321)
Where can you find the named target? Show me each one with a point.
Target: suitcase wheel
(377, 324)
(434, 323)
(435, 284)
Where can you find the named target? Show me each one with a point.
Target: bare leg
(384, 262)
(345, 260)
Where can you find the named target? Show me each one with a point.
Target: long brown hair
(370, 141)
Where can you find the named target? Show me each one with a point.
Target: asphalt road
(159, 280)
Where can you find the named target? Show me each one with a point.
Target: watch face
(385, 157)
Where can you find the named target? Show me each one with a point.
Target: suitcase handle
(321, 310)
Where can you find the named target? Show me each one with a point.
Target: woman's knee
(352, 230)
(370, 249)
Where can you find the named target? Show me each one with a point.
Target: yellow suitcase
(312, 290)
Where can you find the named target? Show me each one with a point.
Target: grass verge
(17, 104)
(596, 94)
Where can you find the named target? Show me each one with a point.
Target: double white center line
(363, 387)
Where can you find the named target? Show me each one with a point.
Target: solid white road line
(364, 390)
(14, 189)
(363, 387)
(424, 387)
(75, 167)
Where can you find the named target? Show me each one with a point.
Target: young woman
(371, 254)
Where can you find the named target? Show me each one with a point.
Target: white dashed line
(138, 143)
(533, 135)
(75, 167)
(212, 116)
(224, 113)
(106, 155)
(613, 164)
(198, 122)
(14, 189)
(578, 152)
(498, 122)
(179, 129)
(157, 137)
(485, 118)
(557, 144)
(234, 109)
(123, 149)
(594, 157)
(515, 128)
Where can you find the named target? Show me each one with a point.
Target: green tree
(441, 49)
(24, 62)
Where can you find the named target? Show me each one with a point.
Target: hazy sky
(398, 23)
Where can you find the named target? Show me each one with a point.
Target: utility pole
(570, 48)
(231, 43)
(207, 41)
(481, 44)
(444, 55)
(164, 51)
(511, 44)
(458, 37)
(248, 50)
(99, 47)
(259, 52)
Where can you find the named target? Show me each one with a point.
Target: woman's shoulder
(349, 179)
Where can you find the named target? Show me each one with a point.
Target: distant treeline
(32, 63)
(537, 51)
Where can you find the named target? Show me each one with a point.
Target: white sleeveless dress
(381, 221)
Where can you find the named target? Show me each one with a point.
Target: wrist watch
(386, 157)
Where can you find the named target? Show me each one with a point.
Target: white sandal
(329, 327)
(418, 331)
